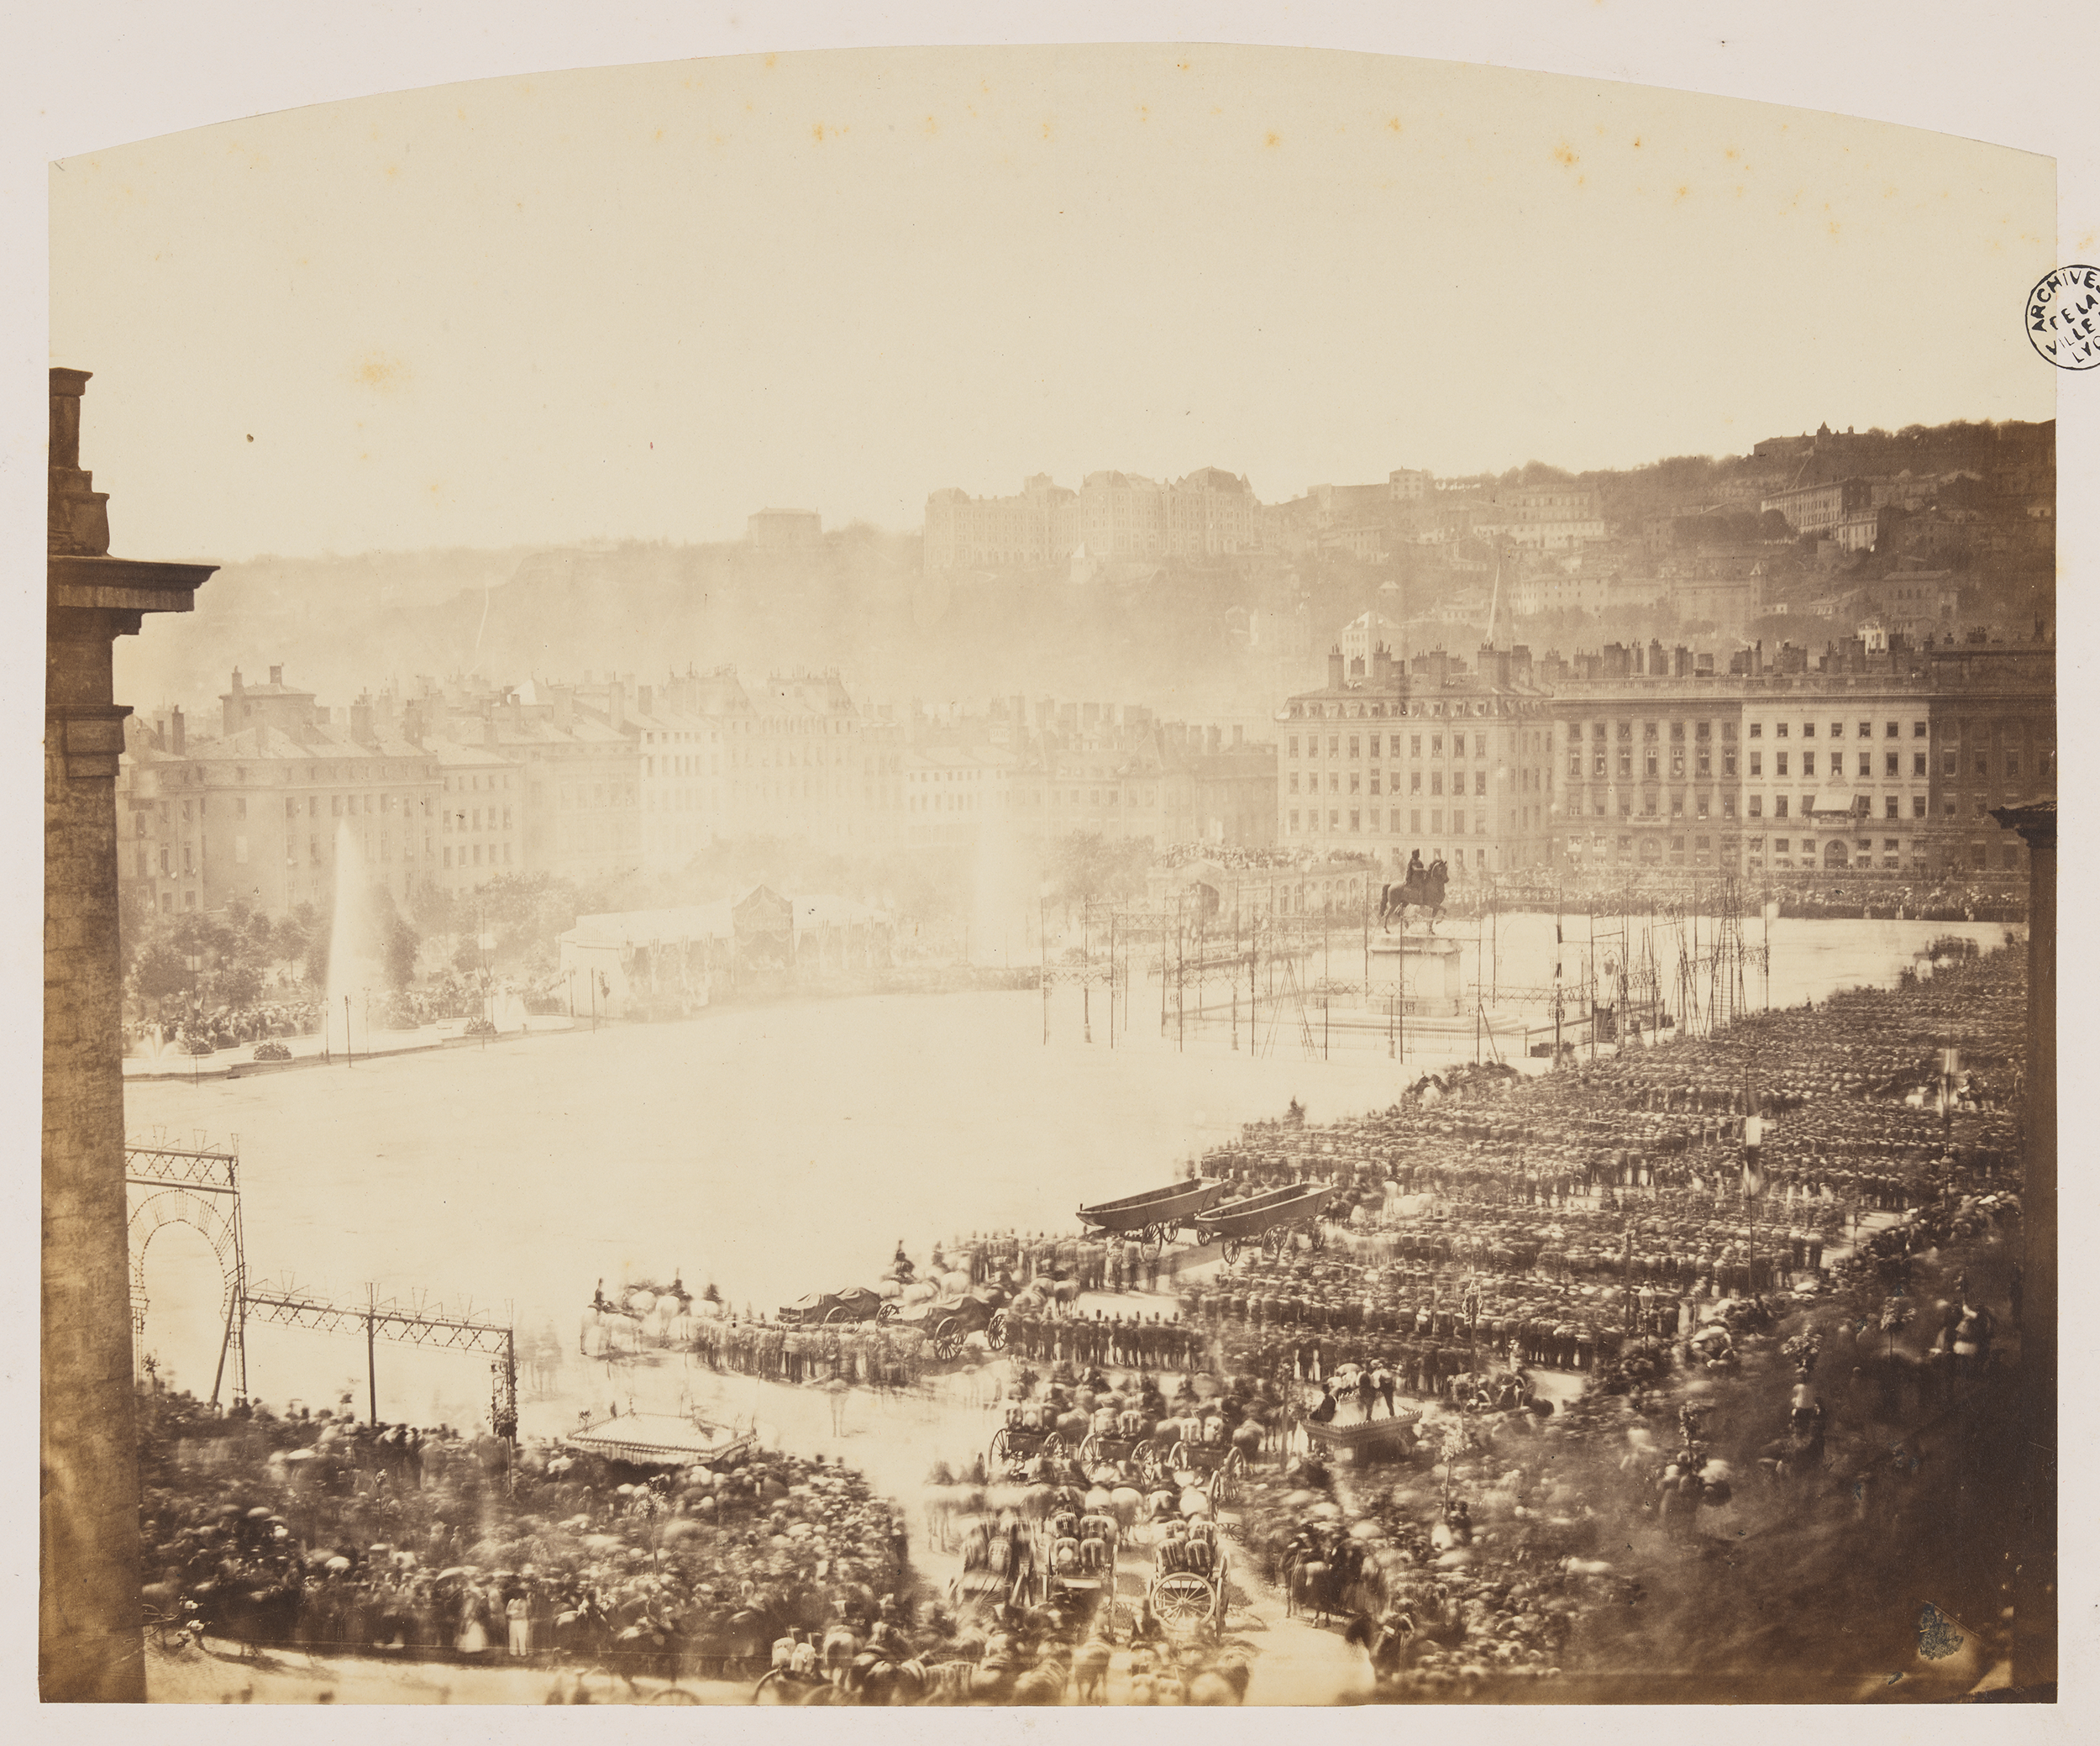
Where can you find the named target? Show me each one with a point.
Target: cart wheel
(995, 1331)
(887, 1312)
(1232, 1247)
(1275, 1240)
(1089, 1449)
(1002, 1445)
(1052, 1448)
(837, 1313)
(1182, 1600)
(1151, 1241)
(948, 1340)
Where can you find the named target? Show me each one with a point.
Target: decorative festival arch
(167, 1186)
(153, 1213)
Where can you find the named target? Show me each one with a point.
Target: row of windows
(621, 794)
(1701, 763)
(1383, 819)
(1891, 764)
(1651, 732)
(1413, 781)
(1094, 796)
(1890, 730)
(477, 861)
(1892, 806)
(1393, 741)
(1701, 805)
(475, 815)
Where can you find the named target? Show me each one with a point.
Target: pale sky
(641, 302)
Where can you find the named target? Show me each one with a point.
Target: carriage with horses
(1135, 1452)
(828, 1309)
(1270, 1219)
(1151, 1217)
(948, 1325)
(1217, 1470)
(1188, 1591)
(1027, 1436)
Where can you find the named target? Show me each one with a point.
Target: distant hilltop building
(784, 530)
(1113, 517)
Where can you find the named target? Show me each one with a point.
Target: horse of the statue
(1422, 891)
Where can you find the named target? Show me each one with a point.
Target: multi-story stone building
(955, 795)
(1651, 771)
(1038, 528)
(1136, 779)
(1208, 513)
(1884, 759)
(1390, 758)
(1821, 508)
(680, 779)
(1546, 518)
(272, 810)
(482, 821)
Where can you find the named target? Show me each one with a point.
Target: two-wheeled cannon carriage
(1150, 1218)
(1271, 1219)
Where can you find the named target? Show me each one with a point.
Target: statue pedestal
(1420, 971)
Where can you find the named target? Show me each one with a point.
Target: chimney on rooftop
(277, 676)
(180, 735)
(412, 723)
(1239, 736)
(361, 721)
(1334, 668)
(615, 704)
(643, 697)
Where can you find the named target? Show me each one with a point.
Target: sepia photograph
(1096, 874)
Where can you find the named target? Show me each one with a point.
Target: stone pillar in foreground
(89, 1645)
(2035, 1588)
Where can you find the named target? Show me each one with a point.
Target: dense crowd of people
(1711, 1358)
(202, 1031)
(345, 1538)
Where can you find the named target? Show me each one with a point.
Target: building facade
(1884, 758)
(1038, 527)
(273, 813)
(1389, 757)
(1820, 509)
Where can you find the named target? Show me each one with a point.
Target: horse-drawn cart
(1155, 1215)
(1139, 1456)
(1270, 1219)
(1018, 1441)
(1187, 1586)
(820, 1309)
(946, 1325)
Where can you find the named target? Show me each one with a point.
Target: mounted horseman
(1423, 889)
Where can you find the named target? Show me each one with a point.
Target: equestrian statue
(1423, 890)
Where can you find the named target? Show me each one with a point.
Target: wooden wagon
(1155, 1215)
(1270, 1219)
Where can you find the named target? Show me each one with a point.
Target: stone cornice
(124, 585)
